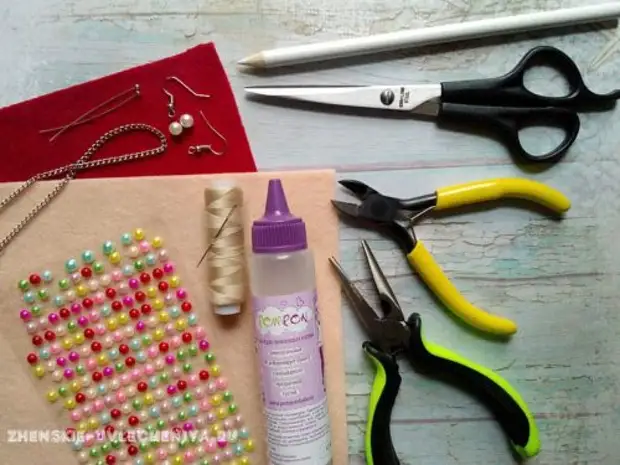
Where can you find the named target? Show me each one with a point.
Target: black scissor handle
(507, 122)
(509, 90)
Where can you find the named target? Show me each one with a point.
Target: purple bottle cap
(278, 230)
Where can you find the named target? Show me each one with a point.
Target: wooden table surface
(558, 280)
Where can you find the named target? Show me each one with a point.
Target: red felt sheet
(25, 151)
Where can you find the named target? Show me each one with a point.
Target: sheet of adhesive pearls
(118, 338)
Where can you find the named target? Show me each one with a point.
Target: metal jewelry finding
(197, 149)
(187, 88)
(171, 110)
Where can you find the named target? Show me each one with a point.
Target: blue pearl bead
(113, 354)
(29, 297)
(45, 354)
(102, 389)
(128, 270)
(237, 449)
(135, 344)
(153, 382)
(177, 401)
(193, 411)
(106, 310)
(141, 357)
(192, 320)
(59, 301)
(71, 265)
(105, 418)
(151, 260)
(154, 412)
(47, 276)
(77, 445)
(174, 312)
(88, 256)
(126, 239)
(244, 433)
(108, 247)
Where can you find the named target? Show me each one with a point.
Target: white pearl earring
(175, 128)
(186, 120)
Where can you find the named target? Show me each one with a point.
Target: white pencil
(431, 35)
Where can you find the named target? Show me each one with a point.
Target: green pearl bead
(98, 267)
(147, 340)
(193, 440)
(36, 310)
(143, 447)
(100, 462)
(205, 462)
(116, 443)
(80, 369)
(94, 453)
(108, 247)
(164, 377)
(119, 366)
(106, 448)
(192, 350)
(23, 285)
(29, 297)
(183, 443)
(227, 396)
(150, 428)
(232, 408)
(181, 355)
(63, 391)
(161, 424)
(43, 294)
(187, 397)
(209, 357)
(126, 239)
(63, 284)
(88, 256)
(187, 367)
(137, 404)
(154, 442)
(182, 416)
(71, 326)
(138, 265)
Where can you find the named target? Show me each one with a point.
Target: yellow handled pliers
(396, 216)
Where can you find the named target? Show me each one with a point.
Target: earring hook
(171, 110)
(187, 88)
(196, 149)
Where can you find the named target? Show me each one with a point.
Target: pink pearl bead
(43, 323)
(98, 405)
(193, 380)
(152, 351)
(149, 369)
(171, 390)
(228, 455)
(94, 316)
(134, 283)
(189, 457)
(68, 373)
(121, 397)
(136, 374)
(85, 351)
(162, 454)
(205, 405)
(221, 441)
(159, 364)
(169, 299)
(117, 275)
(221, 383)
(210, 446)
(239, 420)
(200, 332)
(99, 298)
(140, 326)
(108, 400)
(211, 387)
(55, 348)
(91, 364)
(170, 329)
(128, 301)
(87, 410)
(89, 439)
(100, 329)
(177, 372)
(168, 268)
(76, 415)
(175, 342)
(74, 356)
(227, 424)
(199, 393)
(125, 379)
(181, 293)
(82, 321)
(25, 315)
(61, 361)
(169, 359)
(76, 308)
(217, 458)
(165, 406)
(117, 336)
(53, 318)
(144, 246)
(201, 423)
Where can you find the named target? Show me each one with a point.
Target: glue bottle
(287, 337)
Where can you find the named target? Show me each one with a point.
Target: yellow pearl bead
(151, 292)
(123, 319)
(178, 460)
(215, 370)
(233, 462)
(138, 234)
(158, 304)
(115, 258)
(75, 386)
(163, 318)
(67, 343)
(70, 404)
(221, 413)
(244, 461)
(149, 399)
(93, 423)
(82, 427)
(52, 397)
(249, 445)
(174, 282)
(102, 359)
(39, 371)
(81, 290)
(112, 323)
(180, 324)
(79, 339)
(215, 429)
(159, 333)
(149, 458)
(157, 242)
(216, 400)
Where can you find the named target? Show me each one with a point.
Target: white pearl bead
(172, 448)
(93, 285)
(60, 331)
(108, 341)
(131, 391)
(129, 331)
(126, 408)
(43, 323)
(76, 278)
(159, 364)
(70, 295)
(123, 289)
(186, 120)
(50, 366)
(122, 455)
(86, 381)
(57, 376)
(105, 280)
(85, 351)
(175, 128)
(144, 416)
(159, 394)
(87, 411)
(31, 327)
(152, 321)
(83, 457)
(115, 384)
(134, 251)
(91, 393)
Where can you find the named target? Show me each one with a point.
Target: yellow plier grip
(471, 193)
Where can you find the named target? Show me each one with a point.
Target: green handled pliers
(391, 335)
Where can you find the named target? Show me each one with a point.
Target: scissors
(390, 334)
(502, 104)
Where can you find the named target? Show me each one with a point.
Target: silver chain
(84, 162)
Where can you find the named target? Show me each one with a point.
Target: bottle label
(290, 354)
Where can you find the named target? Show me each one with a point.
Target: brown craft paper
(89, 212)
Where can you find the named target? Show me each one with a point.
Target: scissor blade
(367, 316)
(422, 98)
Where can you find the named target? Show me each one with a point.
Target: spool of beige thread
(226, 262)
